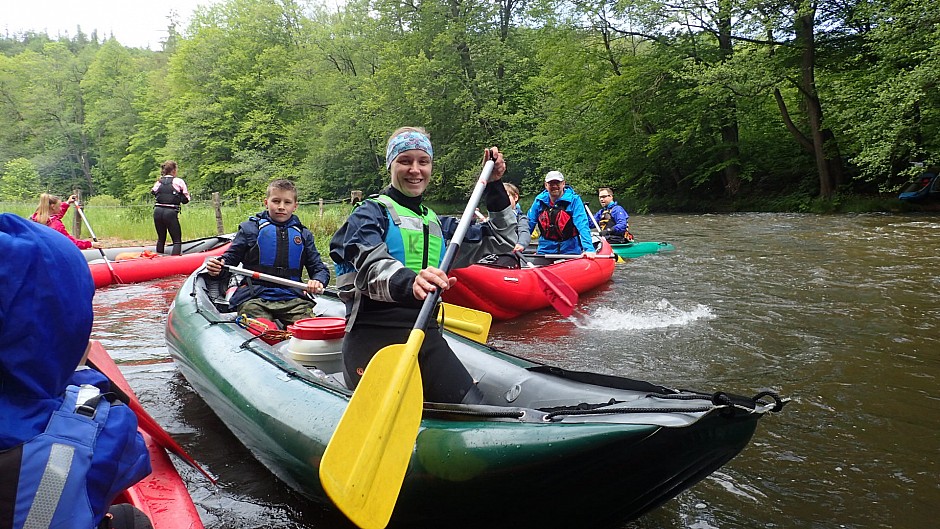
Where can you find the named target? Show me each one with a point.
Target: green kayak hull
(548, 448)
(633, 250)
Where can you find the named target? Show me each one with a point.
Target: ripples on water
(837, 312)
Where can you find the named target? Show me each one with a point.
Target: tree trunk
(730, 152)
(805, 38)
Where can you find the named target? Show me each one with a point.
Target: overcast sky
(135, 23)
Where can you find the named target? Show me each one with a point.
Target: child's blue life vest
(52, 489)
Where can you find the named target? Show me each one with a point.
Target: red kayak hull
(162, 495)
(508, 293)
(146, 268)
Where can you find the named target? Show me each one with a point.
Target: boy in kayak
(559, 214)
(613, 220)
(523, 235)
(274, 242)
(66, 448)
(387, 256)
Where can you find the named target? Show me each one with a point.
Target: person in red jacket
(50, 212)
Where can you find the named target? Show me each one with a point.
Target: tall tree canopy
(674, 104)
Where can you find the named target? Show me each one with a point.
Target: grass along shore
(117, 226)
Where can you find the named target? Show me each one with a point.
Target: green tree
(19, 181)
(114, 79)
(225, 108)
(889, 103)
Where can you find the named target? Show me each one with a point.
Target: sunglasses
(603, 196)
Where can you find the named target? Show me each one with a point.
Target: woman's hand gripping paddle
(100, 360)
(365, 461)
(559, 294)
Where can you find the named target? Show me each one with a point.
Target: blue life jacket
(54, 469)
(278, 251)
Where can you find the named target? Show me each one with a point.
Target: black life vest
(605, 218)
(167, 195)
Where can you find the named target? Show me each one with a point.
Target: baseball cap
(554, 176)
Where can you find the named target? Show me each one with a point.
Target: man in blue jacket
(613, 220)
(66, 450)
(559, 214)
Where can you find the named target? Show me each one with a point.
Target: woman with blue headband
(387, 256)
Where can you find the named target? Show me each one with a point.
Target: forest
(682, 105)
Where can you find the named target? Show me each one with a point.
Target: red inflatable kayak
(162, 495)
(149, 266)
(507, 293)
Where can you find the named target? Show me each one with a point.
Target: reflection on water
(837, 312)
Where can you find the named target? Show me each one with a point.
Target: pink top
(55, 222)
(178, 183)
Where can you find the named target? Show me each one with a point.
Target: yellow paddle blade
(365, 461)
(467, 322)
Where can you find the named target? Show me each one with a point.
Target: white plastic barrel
(318, 342)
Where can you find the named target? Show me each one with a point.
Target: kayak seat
(501, 260)
(537, 260)
(217, 288)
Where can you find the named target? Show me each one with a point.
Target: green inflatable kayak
(548, 447)
(632, 250)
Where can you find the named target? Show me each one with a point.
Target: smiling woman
(134, 23)
(390, 254)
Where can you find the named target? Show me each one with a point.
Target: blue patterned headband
(406, 141)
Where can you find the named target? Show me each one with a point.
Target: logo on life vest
(297, 239)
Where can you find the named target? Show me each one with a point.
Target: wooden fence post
(217, 204)
(76, 218)
(321, 206)
(355, 196)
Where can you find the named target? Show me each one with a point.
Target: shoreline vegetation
(762, 106)
(132, 225)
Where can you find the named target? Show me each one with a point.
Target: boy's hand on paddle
(314, 287)
(429, 280)
(214, 266)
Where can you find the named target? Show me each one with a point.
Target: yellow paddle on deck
(467, 322)
(364, 464)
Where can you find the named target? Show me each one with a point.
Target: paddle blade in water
(559, 294)
(365, 461)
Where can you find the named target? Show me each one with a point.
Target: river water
(838, 313)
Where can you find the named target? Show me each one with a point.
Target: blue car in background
(924, 187)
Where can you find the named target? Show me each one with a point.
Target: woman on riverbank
(170, 192)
